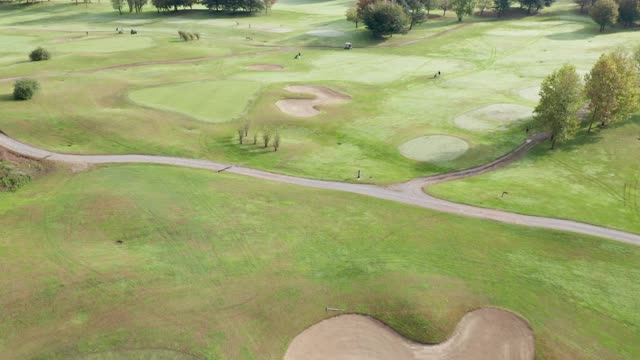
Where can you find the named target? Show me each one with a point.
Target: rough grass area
(434, 148)
(221, 266)
(17, 171)
(594, 178)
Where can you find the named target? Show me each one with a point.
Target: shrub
(39, 54)
(24, 89)
(187, 36)
(10, 178)
(386, 19)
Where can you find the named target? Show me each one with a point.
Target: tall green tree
(501, 6)
(582, 4)
(612, 88)
(117, 5)
(444, 5)
(352, 15)
(415, 8)
(604, 12)
(384, 18)
(628, 12)
(463, 8)
(483, 4)
(560, 100)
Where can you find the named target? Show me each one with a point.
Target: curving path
(410, 192)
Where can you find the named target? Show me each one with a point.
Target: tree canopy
(604, 12)
(463, 8)
(560, 100)
(385, 18)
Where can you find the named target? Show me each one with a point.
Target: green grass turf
(593, 178)
(222, 266)
(394, 98)
(207, 101)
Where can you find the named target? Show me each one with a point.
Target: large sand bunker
(268, 67)
(307, 107)
(493, 117)
(484, 334)
(434, 148)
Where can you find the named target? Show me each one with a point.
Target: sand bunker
(493, 117)
(325, 33)
(434, 148)
(265, 67)
(307, 107)
(485, 334)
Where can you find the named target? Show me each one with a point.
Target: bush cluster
(10, 178)
(24, 89)
(188, 36)
(39, 54)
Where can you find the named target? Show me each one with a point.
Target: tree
(636, 57)
(415, 8)
(429, 5)
(629, 12)
(582, 4)
(268, 4)
(385, 19)
(560, 100)
(535, 4)
(266, 137)
(352, 15)
(501, 6)
(24, 89)
(612, 88)
(362, 5)
(483, 4)
(604, 12)
(39, 54)
(117, 5)
(240, 135)
(276, 142)
(444, 5)
(463, 7)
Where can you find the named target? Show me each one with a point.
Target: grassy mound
(207, 261)
(434, 148)
(531, 93)
(493, 117)
(210, 101)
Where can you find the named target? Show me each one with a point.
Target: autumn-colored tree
(612, 88)
(604, 12)
(560, 100)
(352, 15)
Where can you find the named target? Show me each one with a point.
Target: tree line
(611, 91)
(231, 6)
(610, 12)
(388, 17)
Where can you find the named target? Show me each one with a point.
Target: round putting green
(210, 101)
(434, 148)
(493, 117)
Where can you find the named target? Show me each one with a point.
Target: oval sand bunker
(268, 67)
(307, 107)
(493, 117)
(484, 334)
(434, 148)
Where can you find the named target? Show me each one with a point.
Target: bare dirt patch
(484, 334)
(267, 67)
(308, 107)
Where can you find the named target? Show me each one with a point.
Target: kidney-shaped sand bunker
(434, 148)
(308, 107)
(484, 334)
